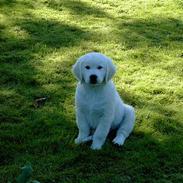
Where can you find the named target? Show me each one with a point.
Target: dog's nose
(93, 79)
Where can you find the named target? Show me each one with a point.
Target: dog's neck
(95, 86)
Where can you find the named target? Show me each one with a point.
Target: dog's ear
(110, 70)
(76, 69)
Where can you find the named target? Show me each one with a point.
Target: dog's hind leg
(126, 125)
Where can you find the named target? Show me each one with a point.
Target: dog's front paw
(119, 140)
(80, 140)
(95, 147)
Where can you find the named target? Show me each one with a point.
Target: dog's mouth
(93, 82)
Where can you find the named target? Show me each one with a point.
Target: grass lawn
(39, 42)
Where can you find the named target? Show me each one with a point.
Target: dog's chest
(93, 106)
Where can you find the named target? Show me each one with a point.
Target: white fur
(99, 106)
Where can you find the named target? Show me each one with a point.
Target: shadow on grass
(77, 8)
(155, 32)
(7, 3)
(144, 160)
(21, 82)
(52, 33)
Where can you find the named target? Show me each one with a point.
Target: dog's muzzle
(93, 79)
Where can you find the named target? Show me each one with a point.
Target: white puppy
(98, 104)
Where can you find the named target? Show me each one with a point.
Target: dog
(98, 104)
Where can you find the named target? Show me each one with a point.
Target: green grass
(39, 42)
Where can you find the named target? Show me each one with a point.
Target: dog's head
(94, 68)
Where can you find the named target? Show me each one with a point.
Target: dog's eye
(99, 67)
(87, 67)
